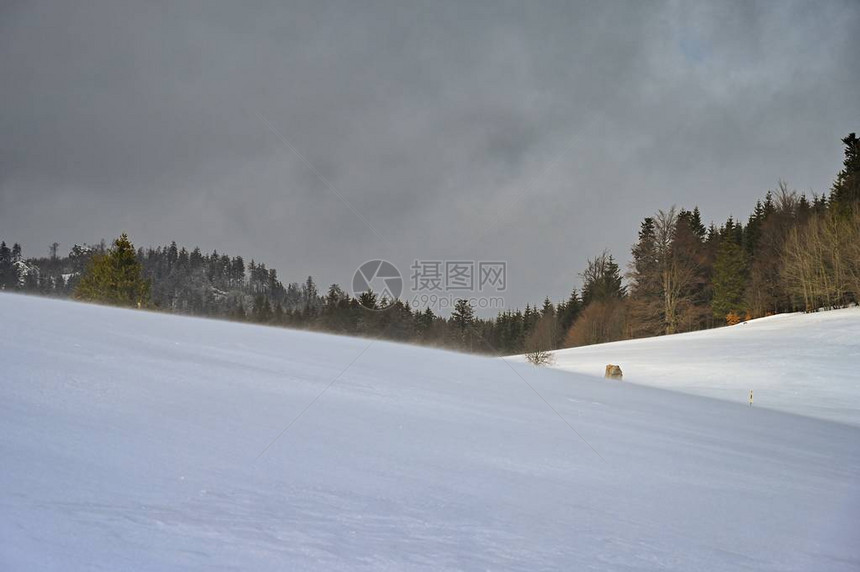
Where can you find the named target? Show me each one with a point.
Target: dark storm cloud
(538, 133)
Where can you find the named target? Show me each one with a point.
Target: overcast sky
(315, 136)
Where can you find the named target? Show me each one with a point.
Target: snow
(24, 270)
(133, 440)
(801, 363)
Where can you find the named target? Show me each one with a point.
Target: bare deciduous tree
(665, 269)
(821, 260)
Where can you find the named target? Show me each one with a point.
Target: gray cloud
(538, 132)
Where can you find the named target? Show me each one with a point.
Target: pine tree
(804, 208)
(368, 300)
(311, 298)
(667, 274)
(397, 322)
(424, 322)
(646, 293)
(463, 316)
(115, 277)
(696, 225)
(196, 258)
(764, 242)
(463, 320)
(846, 189)
(548, 308)
(8, 271)
(568, 312)
(602, 280)
(172, 254)
(729, 281)
(754, 224)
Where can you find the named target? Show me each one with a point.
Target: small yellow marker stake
(751, 397)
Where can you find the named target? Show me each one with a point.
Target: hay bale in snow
(613, 372)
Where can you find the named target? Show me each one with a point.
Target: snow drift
(801, 363)
(140, 441)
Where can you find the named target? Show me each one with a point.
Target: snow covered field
(800, 363)
(133, 441)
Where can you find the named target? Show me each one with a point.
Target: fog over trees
(794, 253)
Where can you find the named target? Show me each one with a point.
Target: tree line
(793, 253)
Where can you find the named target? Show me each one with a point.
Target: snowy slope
(801, 363)
(130, 441)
